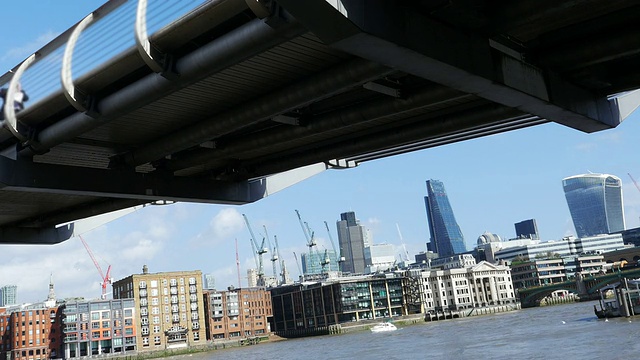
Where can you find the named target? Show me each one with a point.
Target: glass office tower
(9, 295)
(527, 229)
(446, 236)
(595, 203)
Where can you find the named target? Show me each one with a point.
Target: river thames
(569, 331)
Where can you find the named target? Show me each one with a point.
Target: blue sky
(492, 183)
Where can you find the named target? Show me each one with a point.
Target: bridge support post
(580, 286)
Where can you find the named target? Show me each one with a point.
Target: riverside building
(538, 272)
(31, 332)
(99, 327)
(169, 308)
(567, 247)
(238, 313)
(477, 285)
(310, 306)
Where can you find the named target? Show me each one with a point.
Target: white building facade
(567, 247)
(483, 284)
(379, 257)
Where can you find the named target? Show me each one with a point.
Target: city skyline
(493, 183)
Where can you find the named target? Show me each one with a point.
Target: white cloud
(226, 223)
(222, 228)
(586, 146)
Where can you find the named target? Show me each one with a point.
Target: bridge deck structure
(229, 101)
(530, 297)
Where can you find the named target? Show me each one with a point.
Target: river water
(569, 331)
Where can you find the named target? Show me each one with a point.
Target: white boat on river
(387, 326)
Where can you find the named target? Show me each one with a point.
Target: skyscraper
(527, 229)
(595, 203)
(446, 236)
(8, 295)
(209, 282)
(351, 236)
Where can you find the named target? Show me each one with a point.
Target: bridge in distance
(229, 101)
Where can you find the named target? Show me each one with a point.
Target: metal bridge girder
(384, 32)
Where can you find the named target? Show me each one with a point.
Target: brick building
(238, 313)
(31, 332)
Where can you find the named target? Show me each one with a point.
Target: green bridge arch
(530, 297)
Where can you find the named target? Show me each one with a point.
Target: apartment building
(238, 313)
(169, 308)
(99, 327)
(30, 333)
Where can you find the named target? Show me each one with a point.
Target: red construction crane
(106, 279)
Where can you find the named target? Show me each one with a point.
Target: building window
(156, 340)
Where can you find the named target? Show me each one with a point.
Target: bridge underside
(250, 89)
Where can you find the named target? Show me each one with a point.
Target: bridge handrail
(110, 34)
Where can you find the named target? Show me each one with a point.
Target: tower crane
(406, 253)
(274, 254)
(308, 234)
(106, 278)
(260, 250)
(341, 258)
(298, 265)
(325, 261)
(283, 267)
(634, 182)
